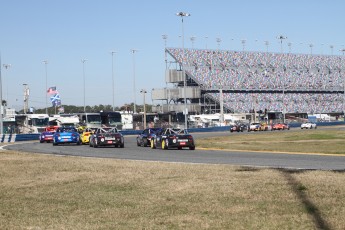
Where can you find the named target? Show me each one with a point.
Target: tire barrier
(6, 138)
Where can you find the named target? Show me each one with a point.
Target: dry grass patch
(47, 192)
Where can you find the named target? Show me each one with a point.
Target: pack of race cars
(156, 138)
(163, 138)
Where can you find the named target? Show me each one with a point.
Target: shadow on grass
(247, 169)
(299, 189)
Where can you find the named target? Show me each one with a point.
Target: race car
(85, 136)
(144, 138)
(265, 127)
(66, 134)
(254, 127)
(107, 136)
(308, 125)
(237, 128)
(47, 134)
(173, 138)
(280, 126)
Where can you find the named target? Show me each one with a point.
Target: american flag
(52, 90)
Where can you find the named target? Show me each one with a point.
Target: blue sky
(64, 32)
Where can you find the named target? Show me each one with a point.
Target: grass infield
(47, 192)
(326, 141)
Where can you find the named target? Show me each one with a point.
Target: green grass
(307, 141)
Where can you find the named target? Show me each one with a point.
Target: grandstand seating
(272, 81)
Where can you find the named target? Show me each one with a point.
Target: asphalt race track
(198, 156)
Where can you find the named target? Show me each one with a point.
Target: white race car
(308, 125)
(254, 127)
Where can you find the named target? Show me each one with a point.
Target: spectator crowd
(289, 82)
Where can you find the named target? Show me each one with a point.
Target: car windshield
(64, 130)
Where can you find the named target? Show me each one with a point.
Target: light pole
(143, 91)
(311, 49)
(206, 41)
(183, 14)
(267, 43)
(331, 46)
(243, 41)
(281, 38)
(83, 61)
(232, 40)
(134, 88)
(26, 97)
(112, 77)
(165, 38)
(7, 66)
(218, 40)
(192, 39)
(45, 95)
(289, 45)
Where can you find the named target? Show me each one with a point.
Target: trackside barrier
(4, 138)
(227, 128)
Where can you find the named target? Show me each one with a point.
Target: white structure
(32, 123)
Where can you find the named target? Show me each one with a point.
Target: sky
(64, 32)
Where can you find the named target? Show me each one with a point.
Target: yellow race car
(85, 136)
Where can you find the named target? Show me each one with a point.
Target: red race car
(280, 126)
(47, 134)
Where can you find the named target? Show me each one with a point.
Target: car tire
(138, 144)
(145, 142)
(164, 145)
(55, 144)
(192, 148)
(153, 146)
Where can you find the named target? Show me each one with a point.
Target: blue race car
(66, 134)
(145, 137)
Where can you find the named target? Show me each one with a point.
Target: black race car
(107, 137)
(144, 138)
(237, 128)
(173, 138)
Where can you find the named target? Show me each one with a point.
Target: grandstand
(290, 83)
